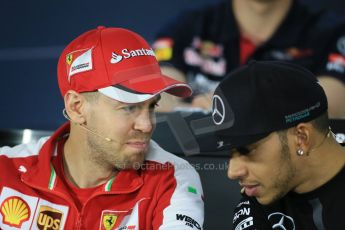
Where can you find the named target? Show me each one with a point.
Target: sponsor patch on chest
(21, 211)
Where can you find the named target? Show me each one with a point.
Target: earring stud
(300, 152)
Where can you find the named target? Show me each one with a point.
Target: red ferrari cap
(118, 63)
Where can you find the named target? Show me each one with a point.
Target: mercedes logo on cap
(281, 221)
(218, 110)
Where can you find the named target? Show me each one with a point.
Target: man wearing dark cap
(272, 117)
(101, 170)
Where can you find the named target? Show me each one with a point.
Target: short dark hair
(282, 134)
(321, 123)
(91, 96)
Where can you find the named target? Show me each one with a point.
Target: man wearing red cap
(101, 170)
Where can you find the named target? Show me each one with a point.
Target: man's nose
(144, 122)
(237, 167)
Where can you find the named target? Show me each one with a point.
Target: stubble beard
(103, 154)
(286, 174)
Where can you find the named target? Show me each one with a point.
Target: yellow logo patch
(109, 221)
(15, 211)
(69, 59)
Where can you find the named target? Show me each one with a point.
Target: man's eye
(243, 150)
(130, 108)
(153, 106)
(240, 150)
(246, 150)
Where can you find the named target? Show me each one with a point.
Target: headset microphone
(86, 128)
(93, 132)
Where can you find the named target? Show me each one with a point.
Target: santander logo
(126, 53)
(115, 58)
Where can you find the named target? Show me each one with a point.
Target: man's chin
(133, 159)
(266, 200)
(135, 163)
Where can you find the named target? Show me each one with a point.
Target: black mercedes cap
(262, 97)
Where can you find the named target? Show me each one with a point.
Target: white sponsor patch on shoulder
(80, 61)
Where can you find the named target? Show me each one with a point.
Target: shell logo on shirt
(15, 211)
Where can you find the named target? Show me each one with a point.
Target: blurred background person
(201, 46)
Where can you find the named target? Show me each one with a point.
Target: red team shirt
(165, 194)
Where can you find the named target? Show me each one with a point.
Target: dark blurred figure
(201, 46)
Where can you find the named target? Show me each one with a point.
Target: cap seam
(103, 57)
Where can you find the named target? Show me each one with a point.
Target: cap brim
(146, 87)
(232, 142)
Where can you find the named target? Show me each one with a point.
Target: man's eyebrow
(243, 150)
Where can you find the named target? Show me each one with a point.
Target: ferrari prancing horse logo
(109, 220)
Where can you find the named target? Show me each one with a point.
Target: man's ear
(303, 136)
(75, 105)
